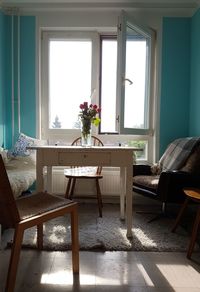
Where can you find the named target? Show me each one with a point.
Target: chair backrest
(95, 142)
(177, 153)
(192, 164)
(9, 214)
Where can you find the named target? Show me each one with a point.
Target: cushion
(4, 154)
(23, 141)
(155, 169)
(177, 153)
(192, 165)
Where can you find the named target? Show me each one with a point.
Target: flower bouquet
(88, 117)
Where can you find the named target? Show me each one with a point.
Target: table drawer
(84, 158)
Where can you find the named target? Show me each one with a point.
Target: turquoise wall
(2, 81)
(8, 83)
(21, 71)
(5, 79)
(194, 122)
(175, 80)
(28, 71)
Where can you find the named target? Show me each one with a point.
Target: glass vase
(86, 133)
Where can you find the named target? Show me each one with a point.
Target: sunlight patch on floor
(66, 278)
(57, 234)
(180, 274)
(145, 238)
(145, 275)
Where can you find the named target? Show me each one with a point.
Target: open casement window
(134, 77)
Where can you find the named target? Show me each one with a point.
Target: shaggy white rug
(109, 232)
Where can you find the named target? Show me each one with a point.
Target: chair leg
(162, 214)
(99, 198)
(75, 239)
(72, 188)
(40, 236)
(194, 234)
(180, 214)
(68, 188)
(14, 259)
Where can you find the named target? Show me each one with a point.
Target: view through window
(135, 88)
(69, 81)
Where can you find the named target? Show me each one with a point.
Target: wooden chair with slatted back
(191, 194)
(75, 173)
(29, 211)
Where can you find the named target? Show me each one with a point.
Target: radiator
(110, 183)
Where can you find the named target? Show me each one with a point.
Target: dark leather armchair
(167, 185)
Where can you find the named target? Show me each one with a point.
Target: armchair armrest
(171, 184)
(141, 169)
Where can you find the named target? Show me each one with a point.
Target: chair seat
(193, 193)
(149, 182)
(82, 172)
(39, 203)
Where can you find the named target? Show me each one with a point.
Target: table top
(82, 148)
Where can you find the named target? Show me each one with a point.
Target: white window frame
(63, 134)
(124, 21)
(66, 136)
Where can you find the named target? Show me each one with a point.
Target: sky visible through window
(70, 67)
(135, 93)
(108, 85)
(69, 81)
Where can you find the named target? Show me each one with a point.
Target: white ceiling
(23, 4)
(130, 2)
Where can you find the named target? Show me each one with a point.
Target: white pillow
(23, 141)
(4, 154)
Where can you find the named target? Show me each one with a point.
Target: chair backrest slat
(95, 142)
(9, 214)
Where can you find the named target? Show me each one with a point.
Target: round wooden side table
(194, 195)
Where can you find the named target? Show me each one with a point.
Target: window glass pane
(141, 144)
(69, 81)
(135, 92)
(108, 85)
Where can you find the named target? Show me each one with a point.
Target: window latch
(129, 80)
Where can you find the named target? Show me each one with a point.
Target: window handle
(129, 80)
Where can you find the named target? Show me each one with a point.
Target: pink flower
(85, 104)
(88, 114)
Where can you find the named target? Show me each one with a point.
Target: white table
(92, 156)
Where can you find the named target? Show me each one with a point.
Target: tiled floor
(104, 271)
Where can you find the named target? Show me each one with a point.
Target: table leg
(39, 173)
(129, 199)
(122, 192)
(49, 179)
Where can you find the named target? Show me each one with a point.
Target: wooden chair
(29, 211)
(192, 194)
(75, 173)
